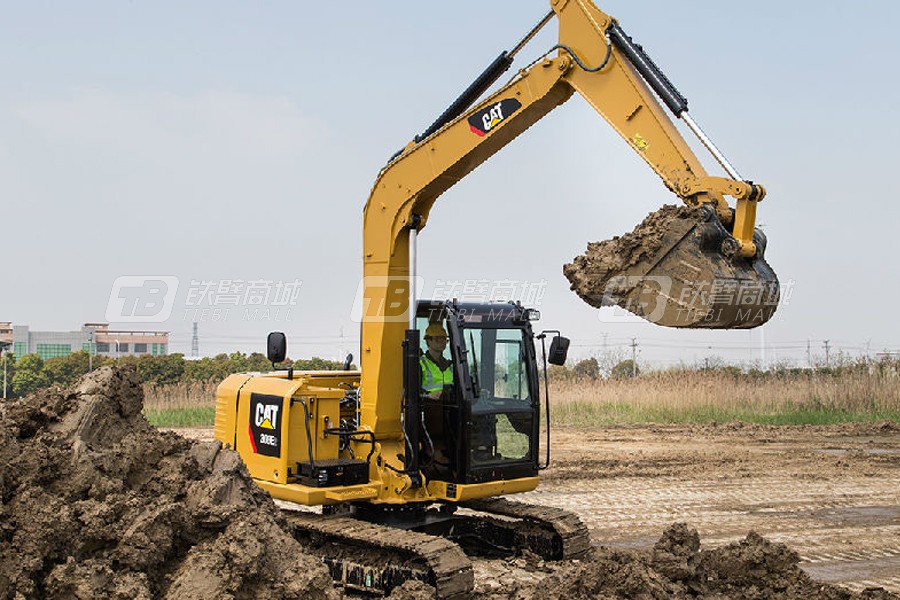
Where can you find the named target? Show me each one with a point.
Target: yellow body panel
(313, 496)
(322, 392)
(474, 491)
(318, 391)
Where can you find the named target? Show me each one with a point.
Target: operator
(437, 371)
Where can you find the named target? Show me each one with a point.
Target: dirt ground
(96, 503)
(832, 494)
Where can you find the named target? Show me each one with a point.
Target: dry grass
(667, 397)
(189, 404)
(697, 396)
(192, 394)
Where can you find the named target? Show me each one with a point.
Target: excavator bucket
(671, 270)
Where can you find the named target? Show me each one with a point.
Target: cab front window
(502, 412)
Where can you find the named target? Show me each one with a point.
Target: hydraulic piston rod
(664, 88)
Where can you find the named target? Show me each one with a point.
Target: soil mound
(676, 568)
(96, 503)
(590, 273)
(678, 268)
(413, 590)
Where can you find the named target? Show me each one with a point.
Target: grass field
(665, 397)
(180, 405)
(703, 397)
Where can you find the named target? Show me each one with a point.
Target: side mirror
(276, 347)
(348, 361)
(559, 350)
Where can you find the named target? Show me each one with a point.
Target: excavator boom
(672, 281)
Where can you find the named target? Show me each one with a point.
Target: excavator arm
(597, 60)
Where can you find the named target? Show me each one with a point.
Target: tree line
(30, 372)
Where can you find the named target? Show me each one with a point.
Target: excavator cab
(485, 425)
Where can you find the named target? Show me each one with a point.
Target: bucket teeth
(671, 271)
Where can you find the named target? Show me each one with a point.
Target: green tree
(164, 369)
(238, 363)
(30, 375)
(317, 364)
(10, 359)
(588, 368)
(64, 370)
(258, 363)
(625, 370)
(557, 373)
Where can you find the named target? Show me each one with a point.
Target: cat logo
(265, 424)
(266, 416)
(484, 121)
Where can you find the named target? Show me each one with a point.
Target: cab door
(502, 418)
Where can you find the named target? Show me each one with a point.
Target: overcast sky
(224, 140)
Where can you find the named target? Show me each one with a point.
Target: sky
(227, 141)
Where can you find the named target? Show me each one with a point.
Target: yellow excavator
(411, 483)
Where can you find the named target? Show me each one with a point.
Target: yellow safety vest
(433, 379)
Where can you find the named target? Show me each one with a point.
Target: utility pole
(3, 351)
(91, 351)
(808, 355)
(195, 342)
(762, 348)
(827, 353)
(634, 357)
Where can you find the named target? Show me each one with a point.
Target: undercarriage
(373, 549)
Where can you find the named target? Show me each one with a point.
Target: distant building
(96, 338)
(6, 336)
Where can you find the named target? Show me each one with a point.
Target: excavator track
(375, 558)
(559, 534)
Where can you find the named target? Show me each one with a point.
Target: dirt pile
(676, 568)
(678, 268)
(625, 271)
(591, 273)
(98, 504)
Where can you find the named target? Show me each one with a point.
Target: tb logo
(141, 299)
